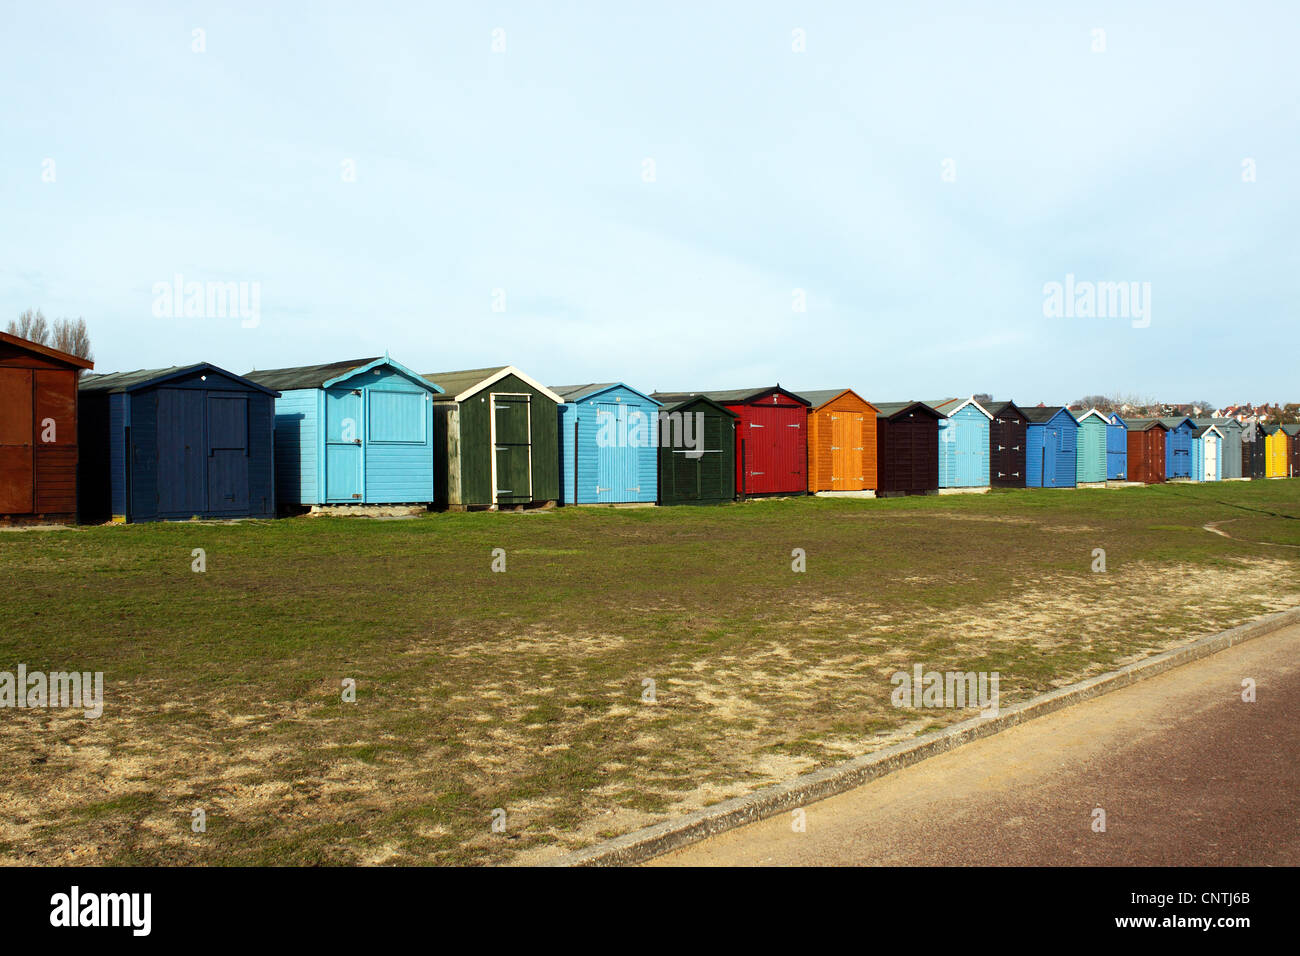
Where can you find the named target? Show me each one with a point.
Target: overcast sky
(911, 179)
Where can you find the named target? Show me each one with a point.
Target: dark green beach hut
(495, 439)
(697, 453)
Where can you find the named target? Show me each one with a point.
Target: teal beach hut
(1090, 468)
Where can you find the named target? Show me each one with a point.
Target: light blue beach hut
(963, 443)
(354, 432)
(609, 452)
(1207, 453)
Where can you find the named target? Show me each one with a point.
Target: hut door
(512, 446)
(343, 437)
(1211, 447)
(227, 453)
(615, 461)
(181, 453)
(16, 464)
(1051, 448)
(844, 473)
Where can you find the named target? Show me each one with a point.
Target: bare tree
(1099, 402)
(30, 325)
(66, 335)
(73, 338)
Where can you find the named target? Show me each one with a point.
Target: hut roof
(142, 378)
(460, 385)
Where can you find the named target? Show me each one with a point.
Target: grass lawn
(523, 690)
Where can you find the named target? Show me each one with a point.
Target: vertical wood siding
(1146, 456)
(771, 445)
(1093, 437)
(908, 453)
(1007, 455)
(842, 453)
(964, 449)
(607, 475)
(1116, 449)
(1178, 452)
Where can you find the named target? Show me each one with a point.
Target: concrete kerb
(671, 834)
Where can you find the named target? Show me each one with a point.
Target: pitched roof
(460, 385)
(997, 408)
(1172, 422)
(306, 376)
(1144, 424)
(1292, 430)
(894, 409)
(817, 397)
(951, 406)
(573, 393)
(45, 350)
(669, 408)
(142, 378)
(1045, 413)
(576, 393)
(1221, 422)
(728, 396)
(1089, 414)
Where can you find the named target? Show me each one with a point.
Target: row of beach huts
(199, 441)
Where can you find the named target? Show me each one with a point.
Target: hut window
(397, 417)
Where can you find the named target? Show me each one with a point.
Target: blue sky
(775, 171)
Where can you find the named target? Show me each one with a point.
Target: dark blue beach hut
(175, 443)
